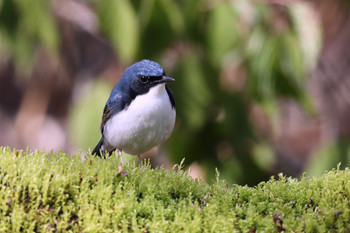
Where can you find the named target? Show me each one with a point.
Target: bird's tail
(97, 149)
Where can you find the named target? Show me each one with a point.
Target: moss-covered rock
(57, 193)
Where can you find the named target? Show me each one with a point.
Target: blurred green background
(262, 87)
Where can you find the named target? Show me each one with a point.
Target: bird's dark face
(144, 75)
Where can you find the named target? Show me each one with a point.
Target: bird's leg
(138, 156)
(121, 156)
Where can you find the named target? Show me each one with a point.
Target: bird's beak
(166, 79)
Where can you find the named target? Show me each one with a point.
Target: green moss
(55, 192)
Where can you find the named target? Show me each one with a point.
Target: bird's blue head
(142, 76)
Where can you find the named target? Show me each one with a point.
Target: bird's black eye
(143, 79)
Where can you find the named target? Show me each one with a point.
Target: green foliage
(222, 33)
(322, 161)
(82, 123)
(119, 23)
(24, 25)
(209, 46)
(55, 192)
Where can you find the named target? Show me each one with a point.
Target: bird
(140, 112)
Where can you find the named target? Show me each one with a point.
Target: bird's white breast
(147, 122)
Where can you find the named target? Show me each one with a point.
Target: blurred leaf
(293, 70)
(192, 17)
(309, 34)
(162, 22)
(264, 156)
(292, 62)
(9, 16)
(231, 171)
(195, 94)
(20, 48)
(276, 69)
(145, 12)
(222, 32)
(193, 97)
(23, 26)
(38, 22)
(119, 22)
(328, 157)
(86, 114)
(174, 14)
(261, 77)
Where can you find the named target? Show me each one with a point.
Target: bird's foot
(140, 160)
(121, 156)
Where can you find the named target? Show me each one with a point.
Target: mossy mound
(58, 193)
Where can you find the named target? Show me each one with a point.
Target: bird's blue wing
(113, 106)
(116, 103)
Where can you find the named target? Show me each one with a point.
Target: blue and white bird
(140, 112)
